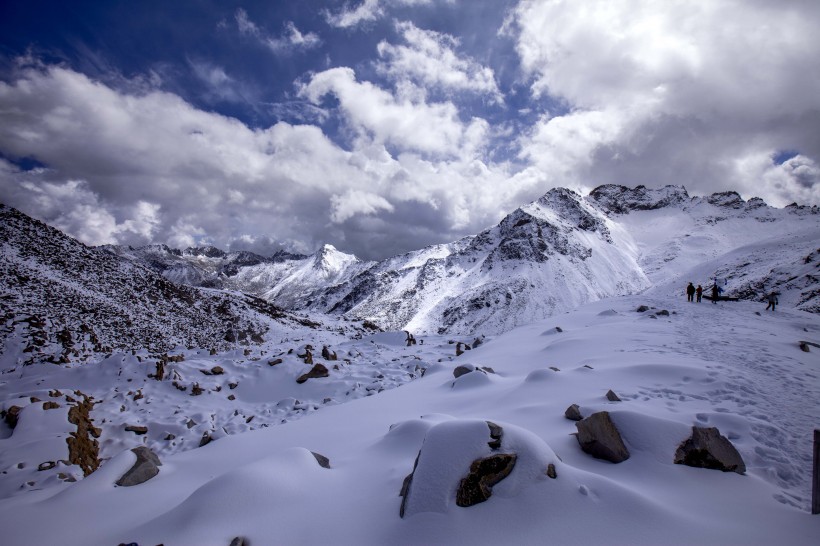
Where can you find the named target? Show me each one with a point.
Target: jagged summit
(621, 199)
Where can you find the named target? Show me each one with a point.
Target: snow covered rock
(599, 437)
(318, 370)
(707, 448)
(464, 462)
(573, 413)
(146, 467)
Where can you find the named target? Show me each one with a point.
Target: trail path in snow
(750, 381)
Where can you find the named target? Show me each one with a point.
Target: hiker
(772, 299)
(715, 293)
(690, 292)
(699, 292)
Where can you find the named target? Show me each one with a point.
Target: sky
(382, 126)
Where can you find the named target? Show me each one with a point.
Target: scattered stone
(33, 399)
(551, 471)
(707, 448)
(317, 371)
(323, 461)
(804, 347)
(205, 440)
(196, 390)
(145, 468)
(612, 397)
(559, 329)
(190, 423)
(48, 465)
(232, 386)
(553, 368)
(477, 486)
(327, 354)
(274, 362)
(55, 393)
(240, 541)
(573, 413)
(231, 397)
(50, 405)
(136, 429)
(477, 342)
(170, 437)
(217, 370)
(463, 369)
(487, 369)
(663, 313)
(643, 309)
(159, 374)
(588, 366)
(496, 434)
(599, 437)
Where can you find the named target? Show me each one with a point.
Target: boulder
(50, 405)
(143, 470)
(484, 473)
(217, 370)
(463, 369)
(317, 371)
(573, 413)
(136, 429)
(612, 397)
(323, 461)
(599, 437)
(48, 465)
(274, 362)
(707, 448)
(12, 414)
(643, 309)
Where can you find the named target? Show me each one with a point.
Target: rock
(317, 371)
(205, 440)
(707, 448)
(12, 414)
(190, 423)
(170, 437)
(496, 434)
(231, 397)
(327, 354)
(663, 313)
(217, 370)
(48, 465)
(240, 541)
(488, 369)
(50, 405)
(196, 390)
(612, 397)
(484, 473)
(136, 429)
(323, 461)
(461, 370)
(643, 309)
(573, 413)
(599, 437)
(145, 468)
(274, 362)
(477, 342)
(232, 386)
(551, 471)
(83, 450)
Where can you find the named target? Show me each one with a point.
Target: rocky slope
(61, 301)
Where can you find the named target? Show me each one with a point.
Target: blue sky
(381, 126)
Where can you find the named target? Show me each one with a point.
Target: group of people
(692, 293)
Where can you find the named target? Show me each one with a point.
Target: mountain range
(546, 257)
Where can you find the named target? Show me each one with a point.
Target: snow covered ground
(732, 366)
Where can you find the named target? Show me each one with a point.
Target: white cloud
(291, 40)
(377, 114)
(354, 202)
(134, 168)
(430, 59)
(686, 88)
(366, 12)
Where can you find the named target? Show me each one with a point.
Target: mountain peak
(621, 200)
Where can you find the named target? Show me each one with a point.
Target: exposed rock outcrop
(707, 448)
(599, 437)
(145, 468)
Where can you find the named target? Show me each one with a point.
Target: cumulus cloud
(375, 113)
(429, 58)
(291, 40)
(135, 168)
(686, 88)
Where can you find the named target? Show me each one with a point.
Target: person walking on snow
(772, 299)
(715, 293)
(690, 292)
(699, 292)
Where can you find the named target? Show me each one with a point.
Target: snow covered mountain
(544, 258)
(63, 302)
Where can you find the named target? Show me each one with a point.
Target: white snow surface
(729, 365)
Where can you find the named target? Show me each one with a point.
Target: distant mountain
(546, 257)
(62, 301)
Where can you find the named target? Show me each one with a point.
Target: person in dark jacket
(690, 292)
(699, 292)
(772, 299)
(715, 293)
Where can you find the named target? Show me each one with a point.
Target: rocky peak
(616, 199)
(204, 251)
(329, 259)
